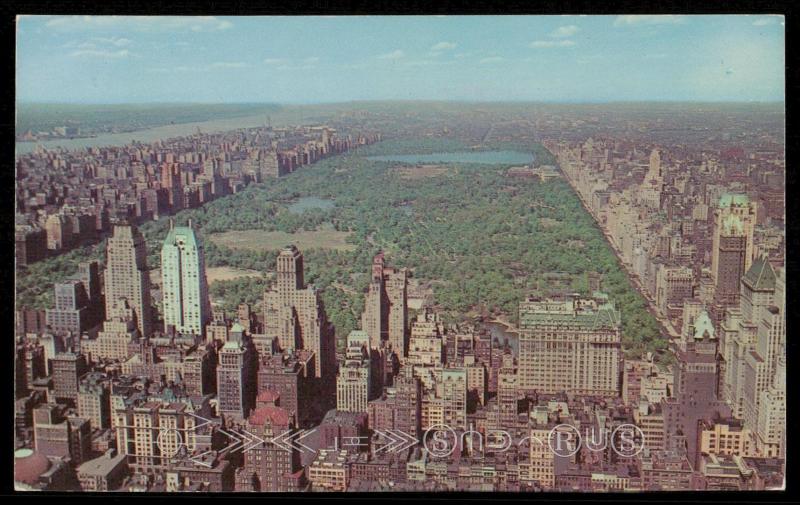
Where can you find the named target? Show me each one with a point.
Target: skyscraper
(114, 340)
(385, 317)
(78, 305)
(765, 372)
(183, 282)
(653, 183)
(695, 392)
(407, 407)
(295, 315)
(268, 467)
(126, 275)
(286, 376)
(732, 248)
(354, 378)
(71, 306)
(507, 388)
(739, 329)
(236, 375)
(770, 427)
(67, 369)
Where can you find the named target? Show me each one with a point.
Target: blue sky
(94, 59)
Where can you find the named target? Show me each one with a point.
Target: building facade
(183, 283)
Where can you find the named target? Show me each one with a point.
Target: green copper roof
(761, 276)
(732, 224)
(453, 373)
(604, 317)
(180, 231)
(730, 199)
(702, 325)
(357, 336)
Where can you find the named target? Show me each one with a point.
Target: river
(147, 135)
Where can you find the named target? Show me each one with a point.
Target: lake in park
(309, 202)
(482, 157)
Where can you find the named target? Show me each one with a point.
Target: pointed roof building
(761, 276)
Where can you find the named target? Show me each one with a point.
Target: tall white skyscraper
(126, 274)
(183, 282)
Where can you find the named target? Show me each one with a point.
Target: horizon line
(415, 100)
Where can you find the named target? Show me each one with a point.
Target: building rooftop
(604, 316)
(761, 276)
(342, 417)
(703, 326)
(101, 466)
(731, 199)
(29, 466)
(275, 415)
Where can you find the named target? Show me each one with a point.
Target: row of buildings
(702, 240)
(221, 409)
(68, 198)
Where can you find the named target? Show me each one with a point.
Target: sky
(124, 59)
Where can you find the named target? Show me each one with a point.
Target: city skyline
(570, 59)
(628, 283)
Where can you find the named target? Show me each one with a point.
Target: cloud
(114, 41)
(228, 64)
(744, 68)
(138, 23)
(538, 44)
(443, 46)
(428, 63)
(565, 31)
(764, 21)
(394, 55)
(647, 19)
(98, 42)
(354, 66)
(100, 53)
(296, 67)
(491, 59)
(217, 65)
(291, 64)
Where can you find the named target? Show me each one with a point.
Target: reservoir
(482, 157)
